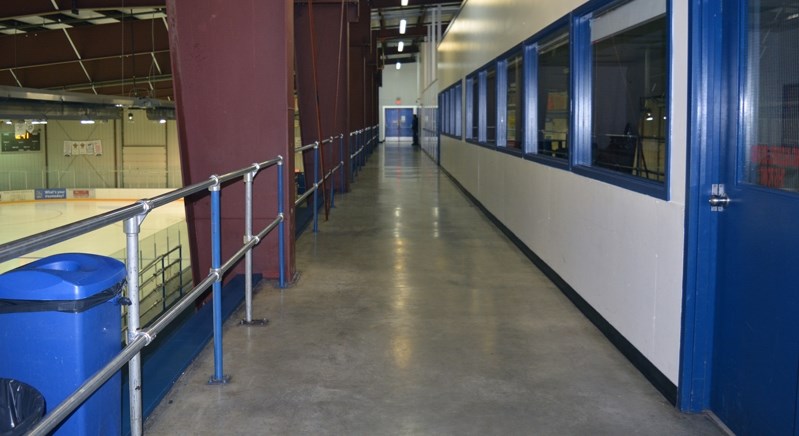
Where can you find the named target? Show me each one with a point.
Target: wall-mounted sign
(50, 194)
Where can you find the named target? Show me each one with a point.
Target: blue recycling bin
(60, 324)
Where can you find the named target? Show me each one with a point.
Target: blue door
(399, 123)
(755, 364)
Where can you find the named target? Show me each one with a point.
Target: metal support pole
(341, 158)
(216, 256)
(248, 179)
(332, 184)
(281, 241)
(247, 238)
(352, 159)
(132, 227)
(316, 186)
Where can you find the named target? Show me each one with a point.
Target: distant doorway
(399, 124)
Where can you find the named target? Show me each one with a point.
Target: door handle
(718, 198)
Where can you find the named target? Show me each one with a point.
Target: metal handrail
(138, 338)
(23, 246)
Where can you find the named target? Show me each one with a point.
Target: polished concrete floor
(413, 314)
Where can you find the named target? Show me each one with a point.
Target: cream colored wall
(620, 250)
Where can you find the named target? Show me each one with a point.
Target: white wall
(402, 84)
(620, 250)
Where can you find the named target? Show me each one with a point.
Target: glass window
(491, 105)
(629, 63)
(473, 107)
(442, 104)
(514, 67)
(553, 95)
(771, 120)
(452, 114)
(458, 109)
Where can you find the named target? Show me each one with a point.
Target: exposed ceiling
(121, 47)
(418, 15)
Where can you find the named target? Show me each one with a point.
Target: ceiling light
(399, 65)
(130, 116)
(400, 46)
(403, 2)
(9, 122)
(162, 121)
(87, 121)
(39, 122)
(403, 23)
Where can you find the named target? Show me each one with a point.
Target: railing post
(341, 158)
(315, 186)
(352, 159)
(216, 255)
(281, 231)
(247, 238)
(332, 185)
(362, 156)
(132, 227)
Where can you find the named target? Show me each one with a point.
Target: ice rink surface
(21, 219)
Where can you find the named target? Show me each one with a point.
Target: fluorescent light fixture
(87, 121)
(162, 121)
(399, 65)
(400, 46)
(9, 122)
(403, 2)
(403, 23)
(39, 122)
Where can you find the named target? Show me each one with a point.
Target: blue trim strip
(705, 68)
(530, 98)
(548, 161)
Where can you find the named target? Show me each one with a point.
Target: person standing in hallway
(415, 128)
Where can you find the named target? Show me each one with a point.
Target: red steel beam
(234, 73)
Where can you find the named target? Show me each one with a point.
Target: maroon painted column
(322, 49)
(233, 65)
(360, 80)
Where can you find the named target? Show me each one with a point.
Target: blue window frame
(472, 107)
(482, 107)
(510, 85)
(621, 66)
(458, 94)
(548, 95)
(451, 110)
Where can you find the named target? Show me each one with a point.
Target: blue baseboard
(172, 351)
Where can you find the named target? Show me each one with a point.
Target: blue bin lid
(66, 276)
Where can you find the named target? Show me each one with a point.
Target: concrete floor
(413, 314)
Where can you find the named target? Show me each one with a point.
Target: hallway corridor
(414, 314)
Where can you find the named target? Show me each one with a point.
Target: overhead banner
(91, 147)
